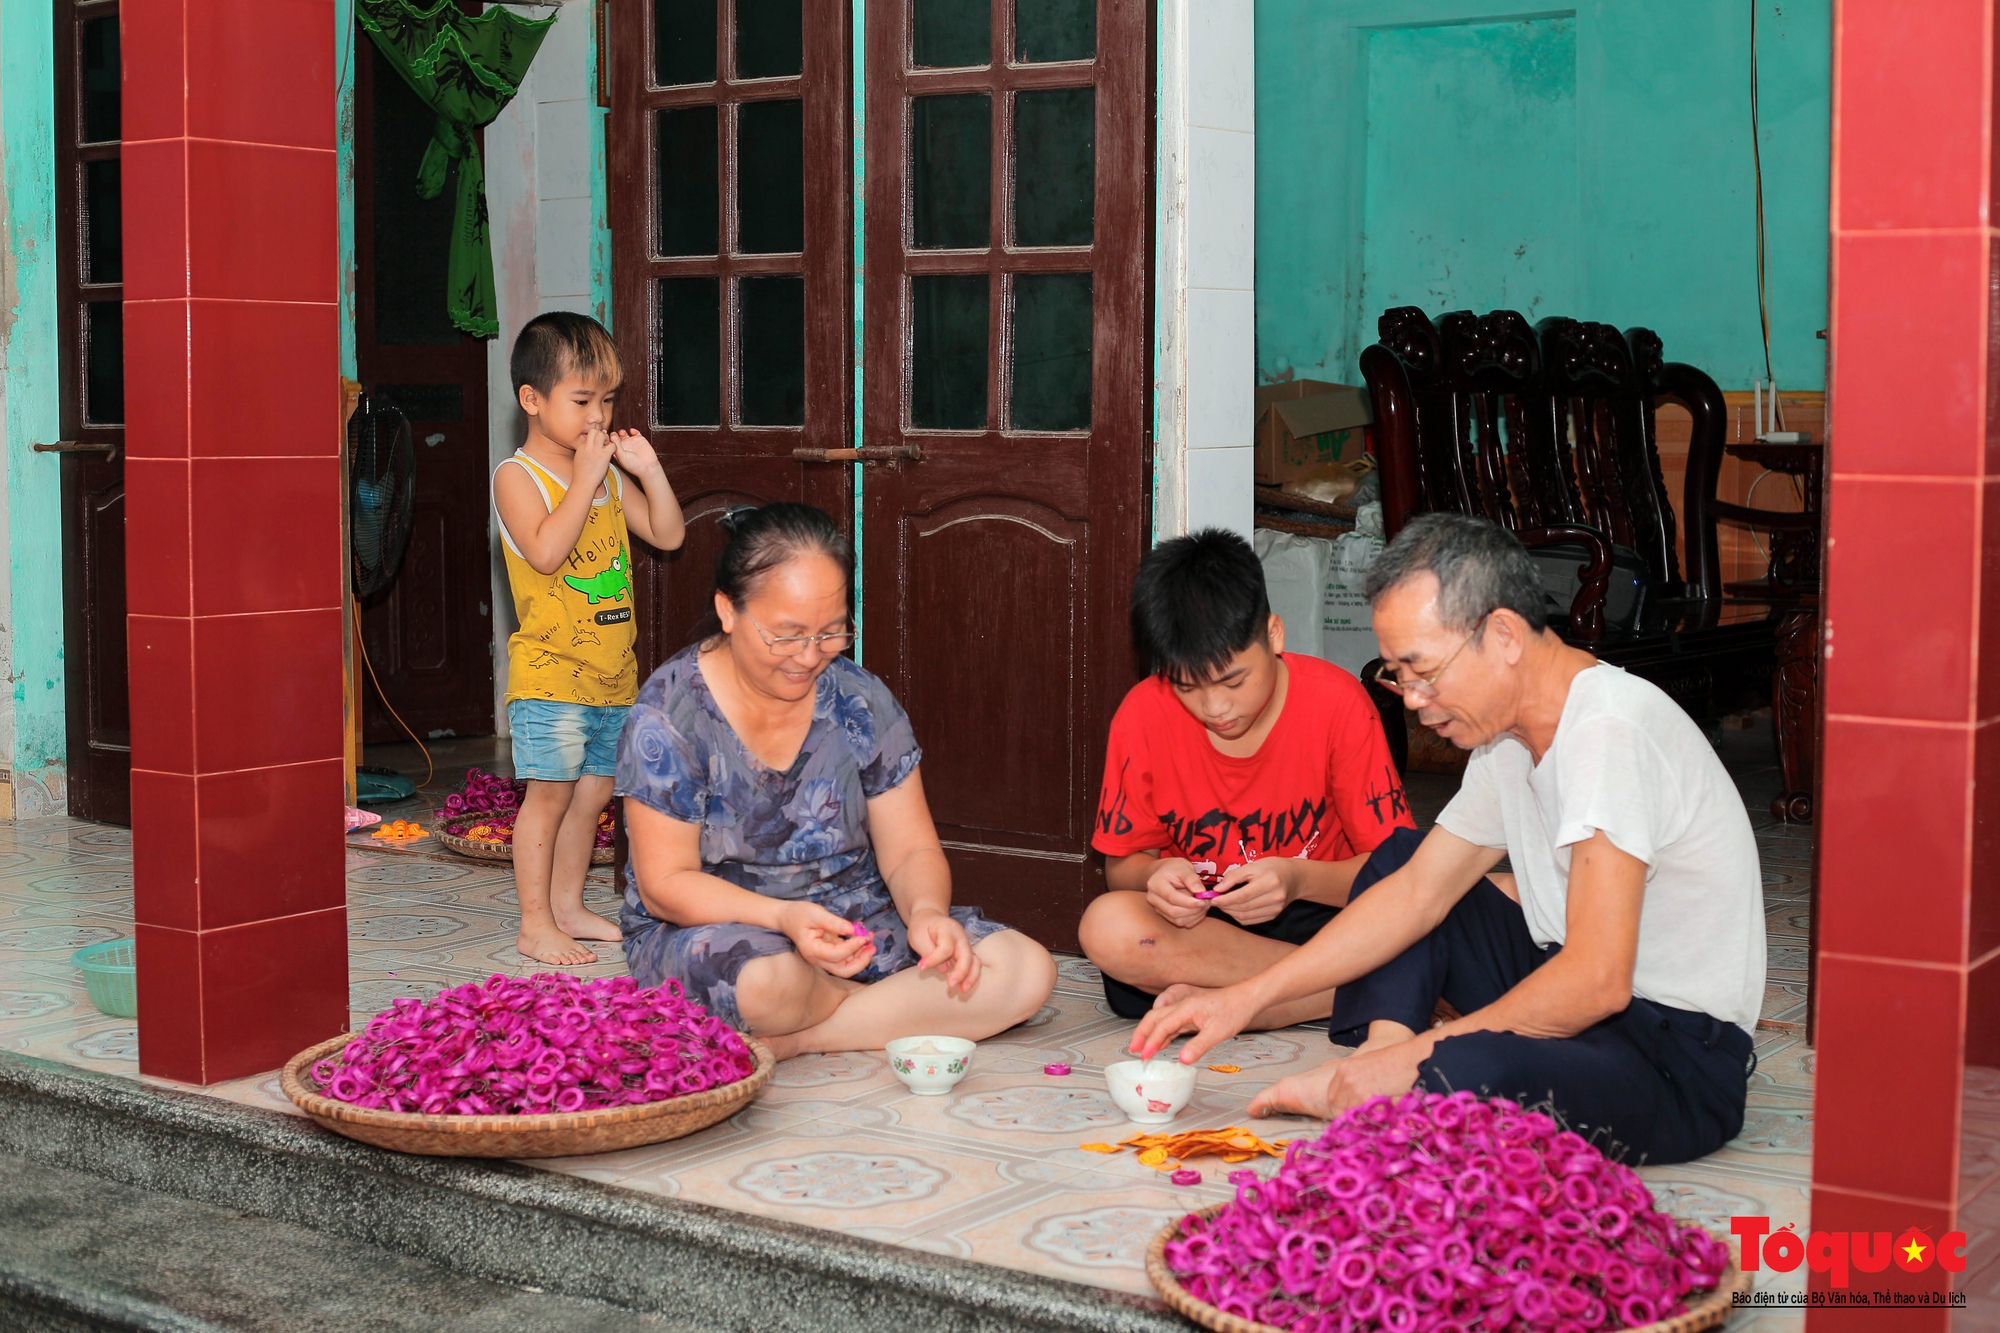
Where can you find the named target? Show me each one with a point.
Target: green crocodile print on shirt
(606, 585)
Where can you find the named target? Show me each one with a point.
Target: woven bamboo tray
(1707, 1312)
(553, 1135)
(480, 850)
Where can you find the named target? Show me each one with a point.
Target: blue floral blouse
(801, 833)
(797, 834)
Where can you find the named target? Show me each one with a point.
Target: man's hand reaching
(1214, 1016)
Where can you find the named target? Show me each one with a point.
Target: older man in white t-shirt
(1616, 976)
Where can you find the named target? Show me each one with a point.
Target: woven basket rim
(469, 817)
(300, 1086)
(88, 958)
(1706, 1312)
(482, 850)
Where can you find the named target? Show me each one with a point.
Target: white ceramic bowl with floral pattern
(929, 1066)
(1150, 1092)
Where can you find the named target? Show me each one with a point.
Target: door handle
(878, 453)
(75, 447)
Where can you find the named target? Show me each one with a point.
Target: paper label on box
(1312, 450)
(1347, 626)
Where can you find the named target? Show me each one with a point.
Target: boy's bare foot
(584, 924)
(546, 944)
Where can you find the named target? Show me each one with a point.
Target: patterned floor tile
(260, 1090)
(1710, 1192)
(1094, 1237)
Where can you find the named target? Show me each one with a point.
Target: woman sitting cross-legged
(774, 802)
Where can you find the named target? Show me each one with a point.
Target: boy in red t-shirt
(1243, 790)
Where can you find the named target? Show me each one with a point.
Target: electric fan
(381, 496)
(381, 492)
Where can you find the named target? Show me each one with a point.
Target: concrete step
(80, 1251)
(509, 1224)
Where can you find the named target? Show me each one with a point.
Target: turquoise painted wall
(600, 201)
(32, 411)
(345, 35)
(1594, 161)
(1445, 217)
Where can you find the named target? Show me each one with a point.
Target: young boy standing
(1243, 789)
(571, 672)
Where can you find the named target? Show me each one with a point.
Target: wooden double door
(994, 384)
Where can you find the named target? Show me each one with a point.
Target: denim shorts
(561, 742)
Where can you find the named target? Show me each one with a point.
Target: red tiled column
(234, 561)
(1909, 1000)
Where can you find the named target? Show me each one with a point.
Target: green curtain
(466, 68)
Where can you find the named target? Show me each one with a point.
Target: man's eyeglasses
(791, 645)
(1424, 686)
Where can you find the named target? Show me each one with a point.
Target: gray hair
(1480, 568)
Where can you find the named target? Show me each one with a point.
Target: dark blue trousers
(1652, 1084)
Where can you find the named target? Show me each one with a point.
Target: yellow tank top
(576, 635)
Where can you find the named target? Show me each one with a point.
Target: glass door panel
(1051, 346)
(771, 178)
(689, 174)
(946, 34)
(769, 39)
(1055, 166)
(1051, 30)
(949, 323)
(951, 172)
(683, 42)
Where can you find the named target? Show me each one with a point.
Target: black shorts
(1299, 922)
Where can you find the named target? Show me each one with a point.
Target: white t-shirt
(1627, 762)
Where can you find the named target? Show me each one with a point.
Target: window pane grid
(91, 252)
(729, 291)
(1022, 256)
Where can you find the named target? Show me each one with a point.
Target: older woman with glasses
(784, 865)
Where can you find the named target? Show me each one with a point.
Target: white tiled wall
(538, 196)
(1218, 493)
(1205, 304)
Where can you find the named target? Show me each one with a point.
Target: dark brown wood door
(90, 273)
(429, 635)
(730, 186)
(1006, 341)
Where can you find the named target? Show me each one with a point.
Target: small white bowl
(1150, 1092)
(929, 1066)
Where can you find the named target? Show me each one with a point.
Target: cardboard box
(1304, 424)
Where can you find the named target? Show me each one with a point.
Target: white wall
(543, 170)
(1205, 303)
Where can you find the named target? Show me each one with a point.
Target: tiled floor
(992, 1172)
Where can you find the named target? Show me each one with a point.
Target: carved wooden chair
(1548, 430)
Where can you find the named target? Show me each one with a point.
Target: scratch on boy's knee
(1147, 941)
